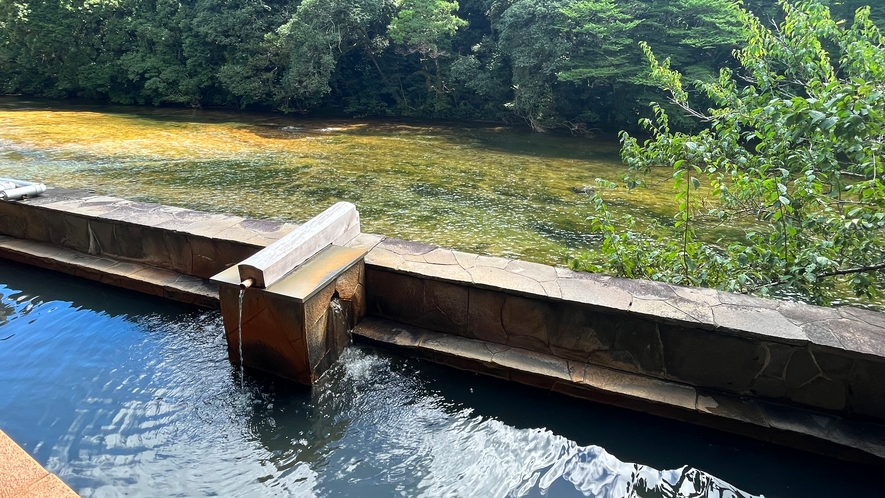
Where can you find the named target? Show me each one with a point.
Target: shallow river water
(122, 394)
(485, 189)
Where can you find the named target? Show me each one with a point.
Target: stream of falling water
(240, 334)
(340, 321)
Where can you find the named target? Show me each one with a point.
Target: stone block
(18, 470)
(801, 369)
(348, 284)
(272, 332)
(444, 307)
(820, 334)
(209, 257)
(456, 346)
(394, 296)
(821, 393)
(178, 250)
(731, 407)
(640, 339)
(768, 387)
(153, 247)
(403, 247)
(710, 359)
(833, 364)
(759, 321)
(8, 219)
(50, 486)
(36, 223)
(778, 355)
(76, 234)
(616, 359)
(56, 228)
(797, 420)
(101, 238)
(858, 335)
(594, 292)
(453, 273)
(499, 278)
(867, 390)
(533, 363)
(526, 322)
(637, 386)
(579, 332)
(484, 315)
(317, 337)
(130, 243)
(538, 272)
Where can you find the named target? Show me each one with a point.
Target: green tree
(317, 36)
(793, 151)
(426, 27)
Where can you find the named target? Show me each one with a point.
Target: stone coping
(128, 275)
(781, 424)
(257, 233)
(306, 280)
(856, 330)
(22, 477)
(851, 329)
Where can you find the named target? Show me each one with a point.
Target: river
(480, 188)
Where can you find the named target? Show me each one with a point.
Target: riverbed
(480, 188)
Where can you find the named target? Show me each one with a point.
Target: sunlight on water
(483, 189)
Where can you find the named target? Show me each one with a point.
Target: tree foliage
(551, 64)
(793, 152)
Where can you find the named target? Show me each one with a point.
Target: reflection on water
(123, 394)
(483, 189)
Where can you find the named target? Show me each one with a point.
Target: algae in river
(485, 189)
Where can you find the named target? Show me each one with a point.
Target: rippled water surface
(485, 189)
(125, 395)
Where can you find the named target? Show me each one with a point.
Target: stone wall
(181, 240)
(822, 358)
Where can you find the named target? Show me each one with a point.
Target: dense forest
(573, 64)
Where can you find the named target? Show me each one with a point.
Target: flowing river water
(123, 394)
(485, 189)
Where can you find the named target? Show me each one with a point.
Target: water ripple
(122, 394)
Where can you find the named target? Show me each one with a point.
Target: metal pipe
(18, 183)
(18, 193)
(245, 284)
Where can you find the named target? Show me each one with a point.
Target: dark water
(125, 395)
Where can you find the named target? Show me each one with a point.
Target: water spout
(338, 327)
(245, 284)
(243, 288)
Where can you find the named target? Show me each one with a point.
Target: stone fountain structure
(289, 307)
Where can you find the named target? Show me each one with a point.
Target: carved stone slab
(337, 225)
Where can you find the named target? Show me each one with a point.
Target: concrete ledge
(176, 239)
(829, 359)
(22, 477)
(824, 359)
(132, 276)
(781, 424)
